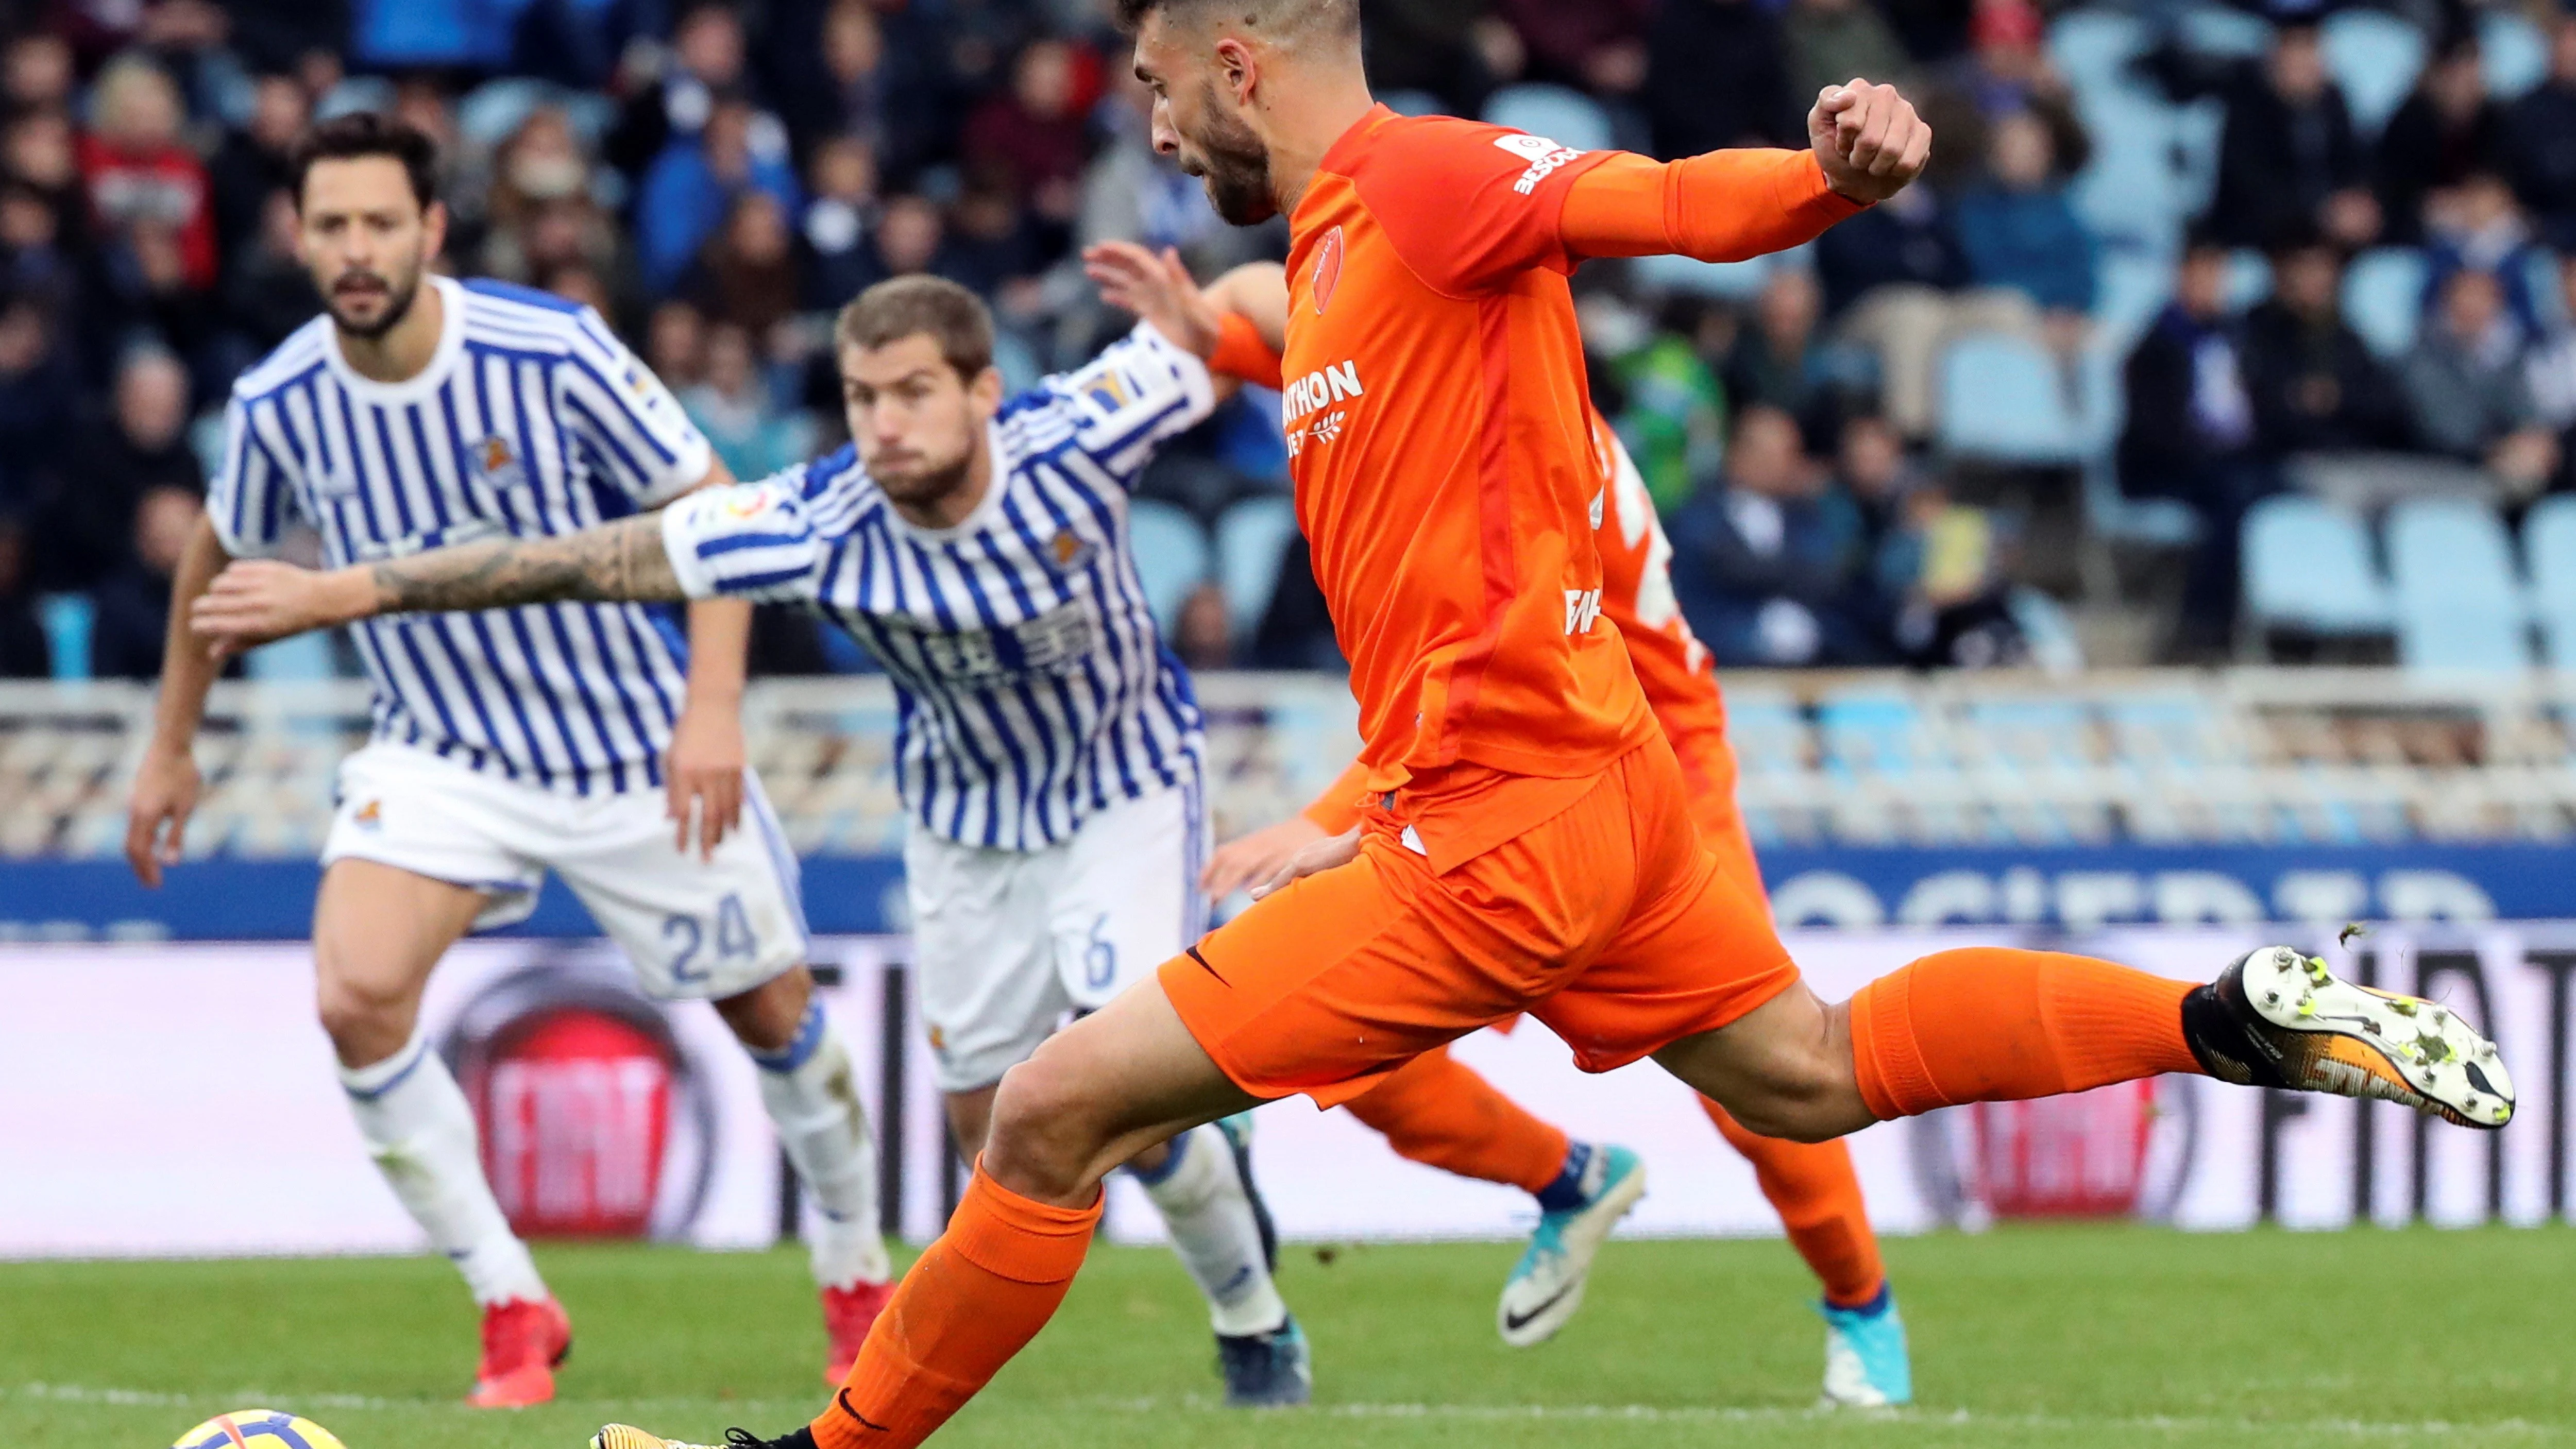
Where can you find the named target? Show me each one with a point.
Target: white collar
(451, 345)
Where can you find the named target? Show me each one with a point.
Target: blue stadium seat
(1413, 103)
(2459, 597)
(2307, 566)
(2111, 516)
(2512, 52)
(2540, 270)
(2131, 287)
(2549, 551)
(70, 621)
(1719, 281)
(2375, 57)
(2093, 47)
(2223, 30)
(2130, 192)
(1872, 731)
(2002, 400)
(1171, 555)
(1766, 729)
(2383, 298)
(1567, 117)
(1250, 538)
(2249, 279)
(304, 657)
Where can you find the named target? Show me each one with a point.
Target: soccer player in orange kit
(1526, 844)
(1435, 1109)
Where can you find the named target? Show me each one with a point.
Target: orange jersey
(1440, 440)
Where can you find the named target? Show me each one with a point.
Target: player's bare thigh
(1098, 1093)
(1784, 1069)
(378, 931)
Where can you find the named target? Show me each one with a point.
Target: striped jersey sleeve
(748, 541)
(635, 431)
(1137, 394)
(252, 498)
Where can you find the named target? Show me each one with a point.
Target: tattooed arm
(255, 600)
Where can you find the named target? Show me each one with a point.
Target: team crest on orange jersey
(1328, 269)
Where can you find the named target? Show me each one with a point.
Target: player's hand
(1868, 139)
(1159, 289)
(703, 776)
(156, 818)
(1256, 857)
(1319, 855)
(256, 600)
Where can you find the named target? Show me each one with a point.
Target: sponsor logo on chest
(1311, 406)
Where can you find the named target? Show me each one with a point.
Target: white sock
(1209, 1214)
(813, 1098)
(421, 1132)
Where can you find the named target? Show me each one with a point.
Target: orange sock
(1818, 1197)
(1437, 1111)
(1989, 1024)
(980, 1293)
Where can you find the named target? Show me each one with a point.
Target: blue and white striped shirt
(530, 419)
(1032, 687)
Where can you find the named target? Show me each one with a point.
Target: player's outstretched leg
(1437, 1111)
(808, 1083)
(377, 933)
(1817, 1195)
(1095, 1095)
(1991, 1024)
(1202, 1184)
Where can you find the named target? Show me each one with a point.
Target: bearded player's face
(367, 240)
(1197, 124)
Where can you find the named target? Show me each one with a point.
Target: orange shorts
(1611, 922)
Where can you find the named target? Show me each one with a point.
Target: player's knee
(365, 1022)
(1046, 1133)
(1806, 1096)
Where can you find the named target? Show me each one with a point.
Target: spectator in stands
(1940, 569)
(39, 389)
(735, 408)
(540, 209)
(2472, 398)
(2478, 225)
(1029, 140)
(1671, 410)
(2005, 73)
(41, 150)
(268, 293)
(911, 237)
(843, 179)
(87, 508)
(2316, 386)
(37, 73)
(746, 273)
(133, 600)
(2550, 373)
(2019, 231)
(1717, 75)
(1764, 563)
(2191, 436)
(2288, 156)
(706, 65)
(139, 171)
(1831, 41)
(675, 343)
(1598, 47)
(1130, 193)
(876, 71)
(692, 185)
(1296, 631)
(1202, 634)
(2539, 142)
(997, 249)
(252, 161)
(25, 653)
(36, 257)
(1899, 279)
(2446, 132)
(1871, 466)
(1780, 362)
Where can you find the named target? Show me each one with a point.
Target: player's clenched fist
(1868, 139)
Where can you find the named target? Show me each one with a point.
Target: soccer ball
(258, 1429)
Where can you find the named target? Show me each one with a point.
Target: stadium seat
(2458, 596)
(2249, 279)
(491, 111)
(2307, 566)
(2220, 30)
(2002, 400)
(1567, 117)
(1171, 555)
(2131, 287)
(2196, 132)
(2549, 552)
(1250, 538)
(2375, 58)
(2048, 628)
(304, 657)
(2383, 298)
(2093, 47)
(1872, 731)
(1719, 281)
(2113, 519)
(1413, 103)
(2512, 52)
(2540, 270)
(2130, 192)
(69, 622)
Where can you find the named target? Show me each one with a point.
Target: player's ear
(985, 393)
(433, 230)
(1237, 68)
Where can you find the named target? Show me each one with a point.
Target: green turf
(2060, 1336)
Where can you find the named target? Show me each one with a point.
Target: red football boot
(848, 1313)
(523, 1343)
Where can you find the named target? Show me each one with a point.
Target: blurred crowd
(717, 178)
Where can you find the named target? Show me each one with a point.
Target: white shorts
(1009, 942)
(693, 927)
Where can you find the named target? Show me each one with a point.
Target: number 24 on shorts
(687, 936)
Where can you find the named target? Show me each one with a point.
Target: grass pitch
(2110, 1336)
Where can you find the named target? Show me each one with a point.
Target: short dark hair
(934, 307)
(1277, 17)
(369, 133)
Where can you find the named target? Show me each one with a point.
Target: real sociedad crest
(495, 464)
